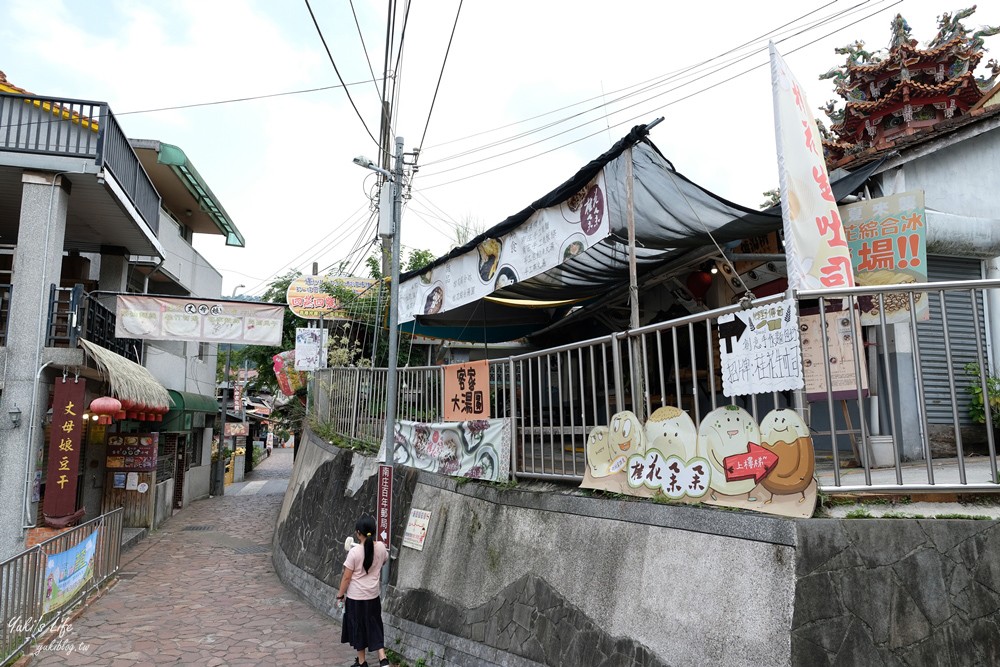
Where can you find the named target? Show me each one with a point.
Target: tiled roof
(939, 130)
(7, 87)
(908, 53)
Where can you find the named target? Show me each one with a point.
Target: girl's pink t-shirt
(364, 586)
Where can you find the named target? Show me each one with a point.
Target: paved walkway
(202, 591)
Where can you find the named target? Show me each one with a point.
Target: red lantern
(104, 407)
(698, 283)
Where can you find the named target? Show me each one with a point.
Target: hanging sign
(237, 428)
(289, 379)
(761, 351)
(308, 299)
(310, 349)
(815, 243)
(416, 529)
(841, 343)
(64, 448)
(133, 451)
(383, 530)
(176, 318)
(888, 241)
(548, 238)
(467, 391)
(67, 572)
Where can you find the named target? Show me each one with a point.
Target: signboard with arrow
(761, 350)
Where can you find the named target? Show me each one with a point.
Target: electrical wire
(645, 113)
(329, 55)
(643, 85)
(247, 99)
(691, 74)
(440, 75)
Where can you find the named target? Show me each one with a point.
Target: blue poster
(67, 572)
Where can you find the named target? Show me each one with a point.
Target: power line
(246, 99)
(691, 74)
(440, 76)
(643, 114)
(629, 87)
(329, 55)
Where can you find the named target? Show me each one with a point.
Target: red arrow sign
(754, 464)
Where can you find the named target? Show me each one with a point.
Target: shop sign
(133, 451)
(467, 391)
(64, 447)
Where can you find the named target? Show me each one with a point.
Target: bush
(977, 409)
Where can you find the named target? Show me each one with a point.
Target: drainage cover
(253, 549)
(198, 528)
(127, 575)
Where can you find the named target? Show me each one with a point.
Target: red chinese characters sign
(467, 391)
(888, 242)
(64, 448)
(815, 243)
(383, 521)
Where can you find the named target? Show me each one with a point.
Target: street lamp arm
(366, 163)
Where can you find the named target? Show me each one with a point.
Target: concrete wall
(551, 576)
(961, 178)
(196, 483)
(163, 507)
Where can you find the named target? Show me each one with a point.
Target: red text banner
(64, 448)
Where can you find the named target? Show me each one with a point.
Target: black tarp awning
(672, 216)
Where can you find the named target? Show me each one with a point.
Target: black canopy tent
(672, 215)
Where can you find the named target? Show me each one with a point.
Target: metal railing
(72, 313)
(909, 393)
(78, 128)
(23, 581)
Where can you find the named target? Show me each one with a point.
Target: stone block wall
(897, 592)
(553, 577)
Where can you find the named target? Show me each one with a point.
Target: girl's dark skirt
(362, 627)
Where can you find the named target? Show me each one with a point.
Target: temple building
(897, 97)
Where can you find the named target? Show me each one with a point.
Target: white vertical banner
(815, 243)
(310, 351)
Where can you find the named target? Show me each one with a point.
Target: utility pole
(397, 214)
(219, 465)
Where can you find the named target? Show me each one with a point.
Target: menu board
(133, 452)
(841, 343)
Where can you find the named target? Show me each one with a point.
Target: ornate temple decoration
(906, 89)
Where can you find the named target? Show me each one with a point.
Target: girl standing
(362, 626)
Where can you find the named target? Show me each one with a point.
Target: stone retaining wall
(548, 576)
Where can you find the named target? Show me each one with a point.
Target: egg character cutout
(672, 432)
(599, 452)
(784, 434)
(626, 436)
(724, 432)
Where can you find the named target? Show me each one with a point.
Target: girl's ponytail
(366, 526)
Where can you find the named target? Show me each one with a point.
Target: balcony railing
(78, 128)
(73, 314)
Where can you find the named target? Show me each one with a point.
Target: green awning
(186, 401)
(175, 158)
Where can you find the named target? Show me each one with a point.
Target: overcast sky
(282, 166)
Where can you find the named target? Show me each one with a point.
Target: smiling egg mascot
(671, 431)
(785, 434)
(626, 437)
(724, 432)
(598, 453)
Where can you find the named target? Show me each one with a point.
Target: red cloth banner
(64, 448)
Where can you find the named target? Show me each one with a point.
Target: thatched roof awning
(128, 379)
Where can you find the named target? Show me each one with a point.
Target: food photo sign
(547, 239)
(133, 452)
(728, 460)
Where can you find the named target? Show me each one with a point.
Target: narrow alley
(202, 591)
